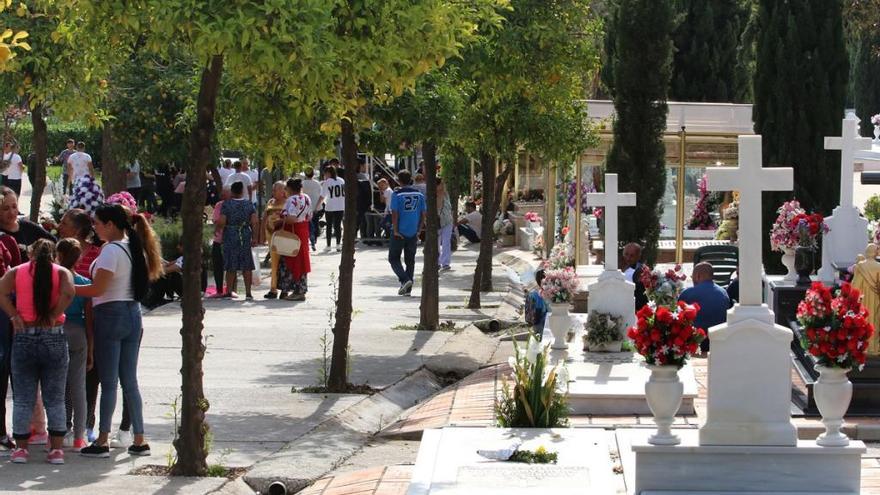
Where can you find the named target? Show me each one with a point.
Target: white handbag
(285, 243)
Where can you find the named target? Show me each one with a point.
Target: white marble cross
(751, 179)
(848, 144)
(611, 200)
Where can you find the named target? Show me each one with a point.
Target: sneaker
(270, 295)
(68, 440)
(445, 268)
(95, 450)
(19, 456)
(338, 249)
(55, 456)
(406, 288)
(79, 444)
(6, 446)
(39, 438)
(91, 435)
(327, 249)
(141, 450)
(121, 439)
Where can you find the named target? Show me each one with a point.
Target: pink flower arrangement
(125, 199)
(876, 119)
(700, 218)
(559, 286)
(794, 227)
(533, 217)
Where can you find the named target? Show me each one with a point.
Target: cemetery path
(257, 351)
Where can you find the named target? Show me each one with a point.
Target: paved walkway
(257, 351)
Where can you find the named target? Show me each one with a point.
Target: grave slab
(613, 383)
(805, 468)
(448, 463)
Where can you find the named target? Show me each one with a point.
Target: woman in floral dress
(294, 270)
(238, 218)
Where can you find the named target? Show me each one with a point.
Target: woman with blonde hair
(121, 276)
(271, 220)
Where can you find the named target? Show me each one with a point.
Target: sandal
(283, 295)
(271, 295)
(295, 297)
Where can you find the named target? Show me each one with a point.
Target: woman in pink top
(217, 249)
(39, 346)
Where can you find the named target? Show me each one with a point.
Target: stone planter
(788, 257)
(615, 346)
(663, 392)
(804, 261)
(833, 392)
(560, 322)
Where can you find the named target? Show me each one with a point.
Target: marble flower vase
(833, 393)
(663, 392)
(788, 260)
(559, 322)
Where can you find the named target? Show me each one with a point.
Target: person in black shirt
(22, 230)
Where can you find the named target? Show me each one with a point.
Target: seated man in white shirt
(471, 224)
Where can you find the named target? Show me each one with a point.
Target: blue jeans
(408, 246)
(118, 331)
(39, 357)
(5, 361)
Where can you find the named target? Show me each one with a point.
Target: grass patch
(362, 389)
(445, 326)
(214, 471)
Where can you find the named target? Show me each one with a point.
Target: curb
(308, 458)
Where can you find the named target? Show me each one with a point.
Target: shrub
(872, 208)
(538, 399)
(170, 232)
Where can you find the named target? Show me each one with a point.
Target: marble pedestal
(448, 463)
(692, 468)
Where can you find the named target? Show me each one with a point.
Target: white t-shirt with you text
(333, 192)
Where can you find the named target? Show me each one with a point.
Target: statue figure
(866, 278)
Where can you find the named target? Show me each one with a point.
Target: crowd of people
(71, 324)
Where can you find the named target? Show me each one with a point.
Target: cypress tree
(800, 91)
(706, 41)
(642, 67)
(866, 79)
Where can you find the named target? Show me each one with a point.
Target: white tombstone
(747, 442)
(612, 293)
(848, 230)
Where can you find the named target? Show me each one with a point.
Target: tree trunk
(113, 178)
(483, 272)
(500, 182)
(429, 318)
(339, 360)
(41, 148)
(190, 443)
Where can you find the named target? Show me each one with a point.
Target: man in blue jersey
(407, 220)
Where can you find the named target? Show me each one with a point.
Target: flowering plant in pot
(558, 289)
(663, 288)
(604, 332)
(561, 257)
(538, 396)
(837, 333)
(700, 218)
(666, 338)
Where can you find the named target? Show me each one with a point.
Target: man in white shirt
(14, 168)
(133, 180)
(238, 176)
(79, 164)
(255, 180)
(471, 224)
(225, 171)
(312, 189)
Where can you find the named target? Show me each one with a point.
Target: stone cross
(611, 200)
(848, 144)
(751, 179)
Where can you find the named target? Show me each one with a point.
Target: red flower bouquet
(836, 327)
(667, 336)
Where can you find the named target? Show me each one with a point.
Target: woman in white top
(79, 164)
(121, 275)
(333, 196)
(14, 168)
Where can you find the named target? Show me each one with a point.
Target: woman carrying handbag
(295, 264)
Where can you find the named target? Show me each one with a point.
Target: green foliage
(872, 208)
(800, 90)
(538, 456)
(170, 233)
(151, 101)
(58, 134)
(706, 41)
(538, 399)
(642, 68)
(866, 78)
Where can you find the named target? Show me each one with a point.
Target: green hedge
(59, 133)
(170, 232)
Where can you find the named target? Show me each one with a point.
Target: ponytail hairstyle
(151, 246)
(42, 254)
(141, 269)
